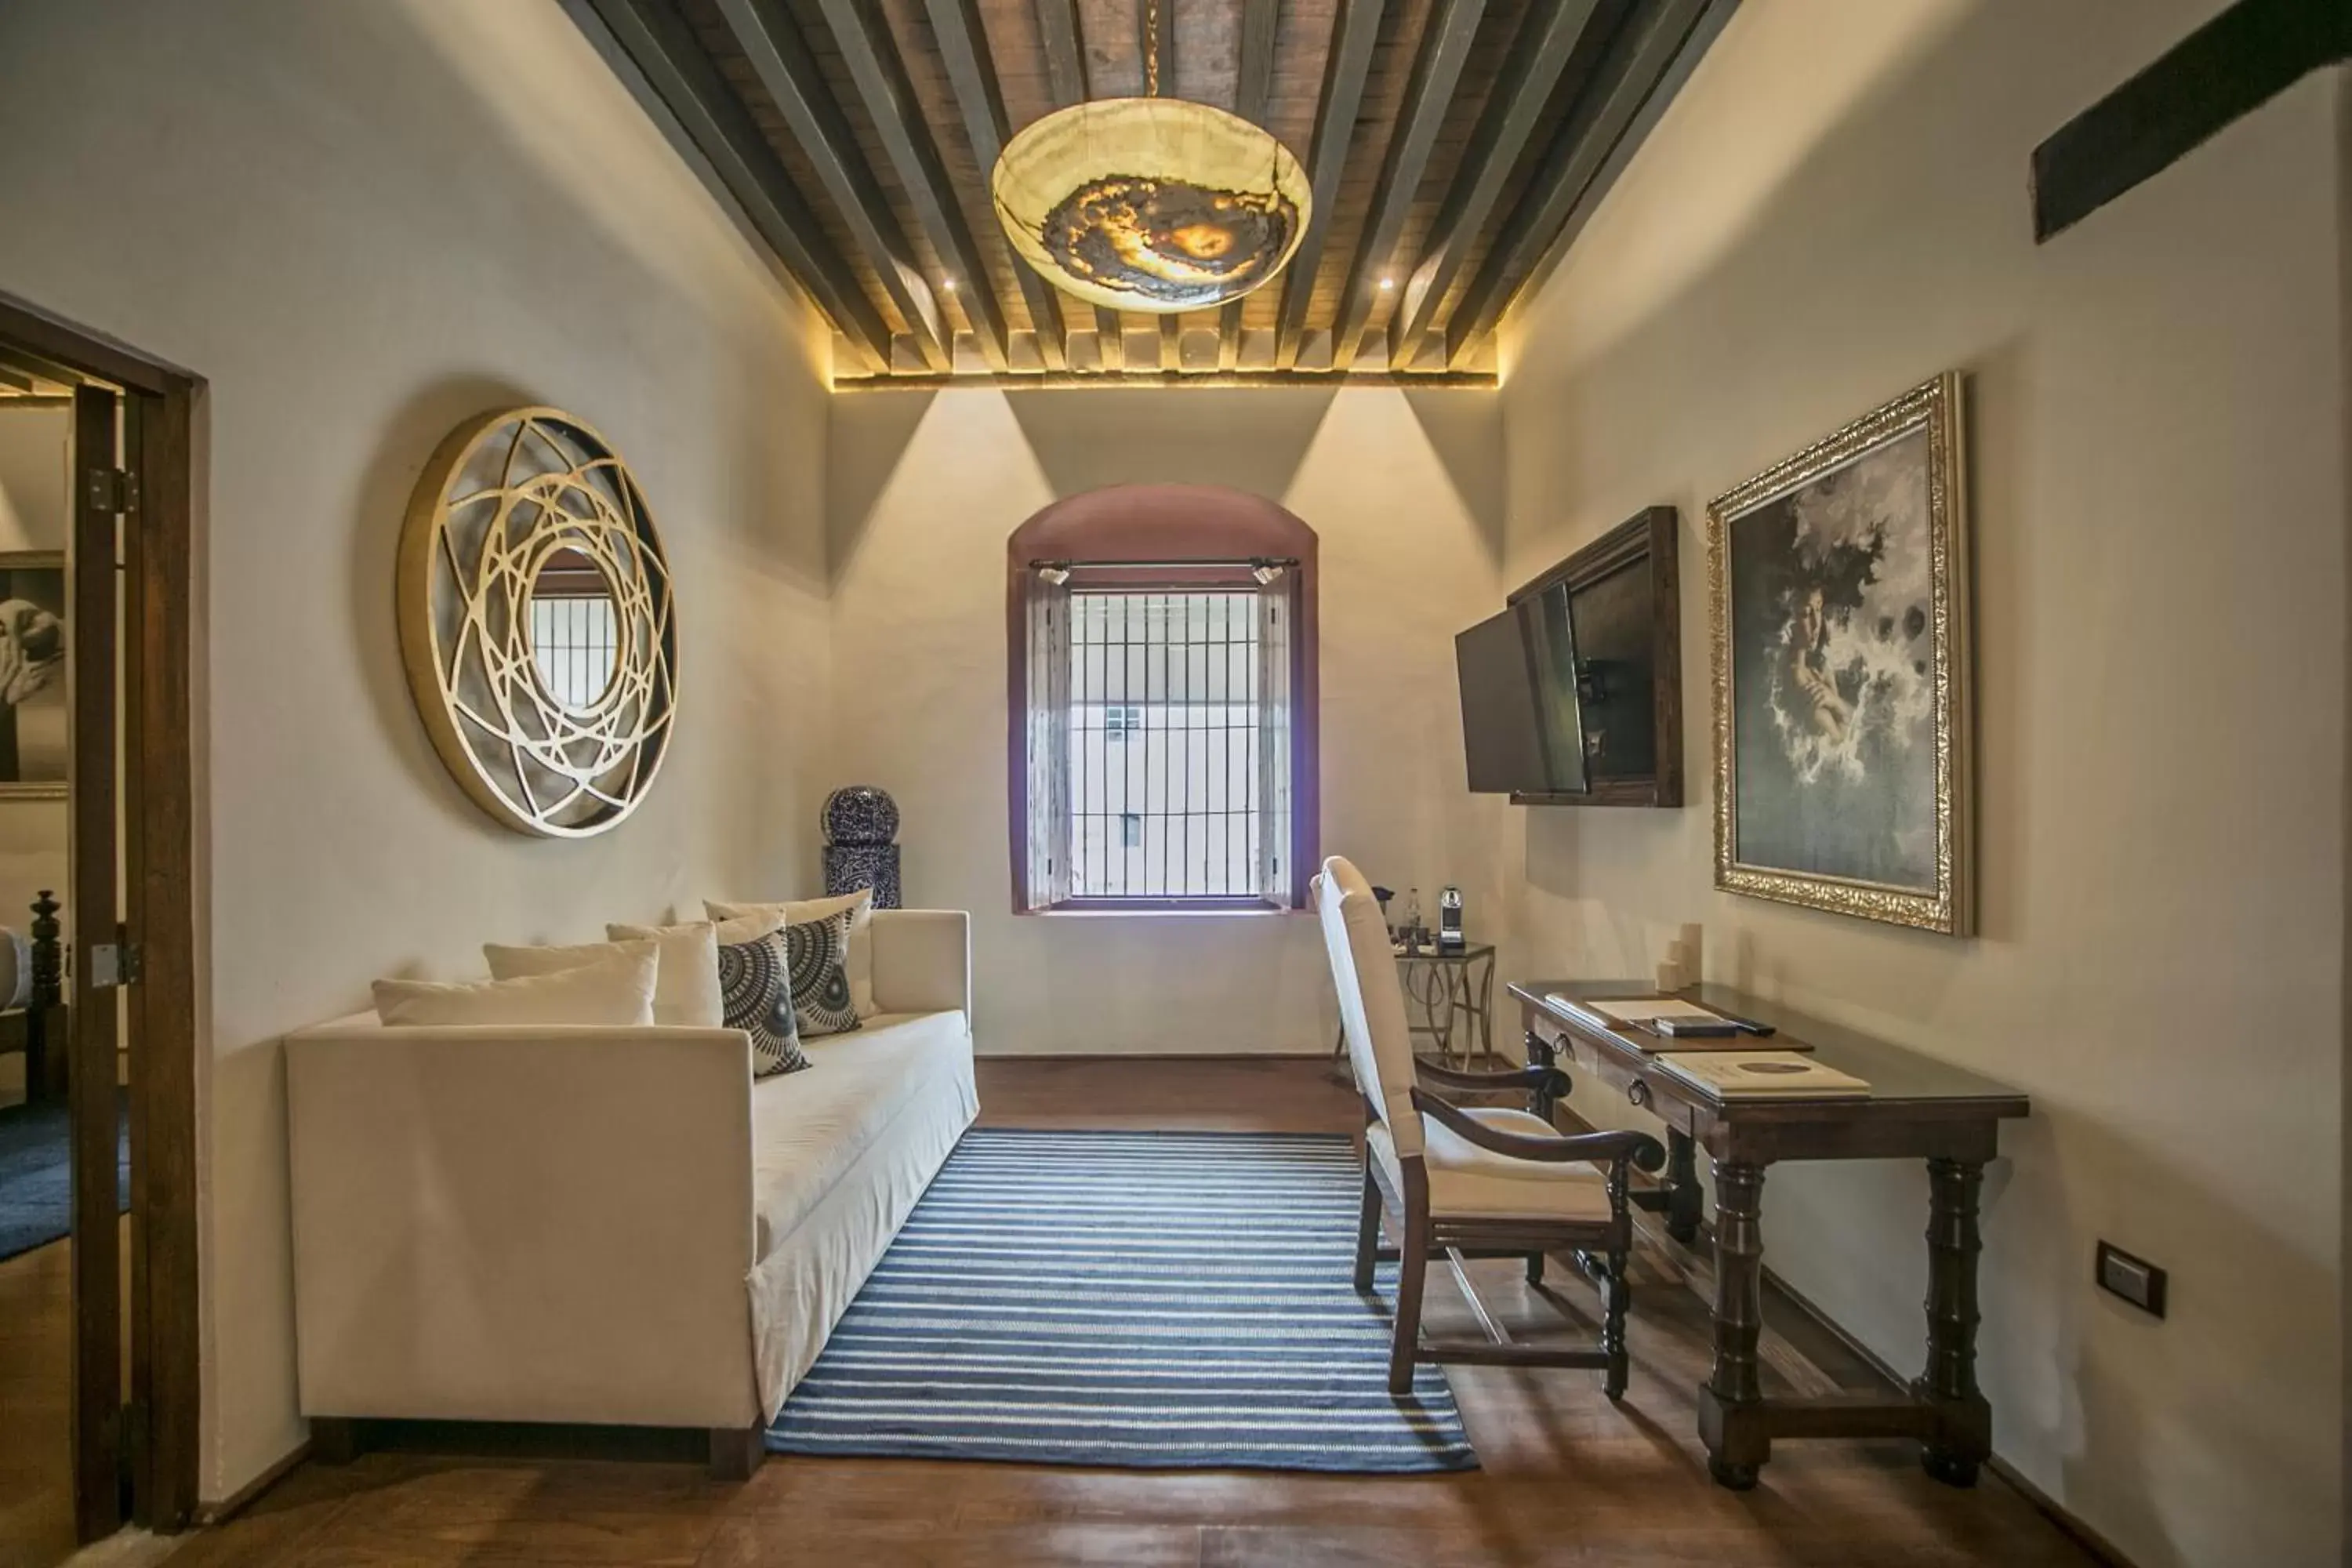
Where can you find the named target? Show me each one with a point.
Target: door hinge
(113, 490)
(115, 963)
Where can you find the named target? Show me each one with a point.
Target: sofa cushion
(615, 990)
(755, 986)
(807, 1130)
(686, 979)
(859, 906)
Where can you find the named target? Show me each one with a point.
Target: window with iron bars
(1160, 747)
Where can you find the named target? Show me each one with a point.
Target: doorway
(98, 1262)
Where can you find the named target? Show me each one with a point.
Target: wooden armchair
(1475, 1181)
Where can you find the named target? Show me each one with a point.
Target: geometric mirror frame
(536, 623)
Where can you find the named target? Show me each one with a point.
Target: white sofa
(617, 1226)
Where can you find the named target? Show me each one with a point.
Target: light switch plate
(2134, 1279)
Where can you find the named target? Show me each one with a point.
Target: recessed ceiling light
(1388, 282)
(948, 284)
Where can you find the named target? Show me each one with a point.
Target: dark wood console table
(1917, 1109)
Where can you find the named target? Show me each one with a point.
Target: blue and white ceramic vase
(860, 821)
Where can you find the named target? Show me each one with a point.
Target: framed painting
(32, 710)
(1838, 591)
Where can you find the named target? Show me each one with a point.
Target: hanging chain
(1151, 49)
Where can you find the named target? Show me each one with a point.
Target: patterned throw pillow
(755, 988)
(820, 975)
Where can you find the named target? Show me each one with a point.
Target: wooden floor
(35, 1452)
(1568, 1479)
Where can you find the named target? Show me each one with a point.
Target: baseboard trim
(1099, 1058)
(209, 1514)
(2068, 1524)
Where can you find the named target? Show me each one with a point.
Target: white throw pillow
(801, 912)
(615, 991)
(685, 980)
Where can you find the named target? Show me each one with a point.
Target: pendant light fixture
(1153, 205)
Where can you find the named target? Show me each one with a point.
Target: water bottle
(1412, 932)
(1449, 919)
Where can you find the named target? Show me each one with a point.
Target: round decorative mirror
(535, 622)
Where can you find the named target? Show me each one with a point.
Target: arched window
(1162, 708)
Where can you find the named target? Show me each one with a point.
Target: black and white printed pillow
(755, 989)
(819, 957)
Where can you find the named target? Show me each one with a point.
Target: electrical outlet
(2134, 1279)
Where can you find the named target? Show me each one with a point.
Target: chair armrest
(1535, 1079)
(1639, 1148)
(922, 961)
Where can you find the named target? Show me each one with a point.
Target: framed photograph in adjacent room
(1838, 583)
(33, 709)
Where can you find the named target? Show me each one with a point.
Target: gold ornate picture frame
(536, 623)
(1839, 618)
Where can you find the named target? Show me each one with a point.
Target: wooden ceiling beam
(879, 78)
(1445, 43)
(1065, 73)
(684, 81)
(1653, 46)
(1539, 57)
(971, 73)
(1354, 32)
(771, 41)
(1261, 24)
(1066, 56)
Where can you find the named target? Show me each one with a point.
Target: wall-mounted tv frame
(1625, 602)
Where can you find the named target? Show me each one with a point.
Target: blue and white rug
(1161, 1301)
(35, 1182)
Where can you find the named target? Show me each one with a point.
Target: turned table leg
(1685, 1199)
(1729, 1406)
(1964, 1437)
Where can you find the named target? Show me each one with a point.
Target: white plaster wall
(1402, 490)
(2159, 422)
(363, 223)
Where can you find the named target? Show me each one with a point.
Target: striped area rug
(1145, 1300)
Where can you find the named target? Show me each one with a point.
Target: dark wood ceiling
(1454, 147)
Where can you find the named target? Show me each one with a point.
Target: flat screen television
(1522, 729)
(1572, 695)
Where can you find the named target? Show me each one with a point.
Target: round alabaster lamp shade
(1155, 204)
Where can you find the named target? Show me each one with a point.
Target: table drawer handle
(1638, 1091)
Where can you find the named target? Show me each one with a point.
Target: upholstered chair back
(1371, 998)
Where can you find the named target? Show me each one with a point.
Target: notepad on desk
(1762, 1075)
(1666, 1023)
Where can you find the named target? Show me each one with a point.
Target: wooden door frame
(159, 851)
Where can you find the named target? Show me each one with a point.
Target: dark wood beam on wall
(1065, 73)
(971, 74)
(687, 85)
(1445, 43)
(879, 78)
(1354, 32)
(1641, 60)
(2226, 69)
(1261, 21)
(771, 41)
(1545, 45)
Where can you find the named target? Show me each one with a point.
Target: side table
(1448, 990)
